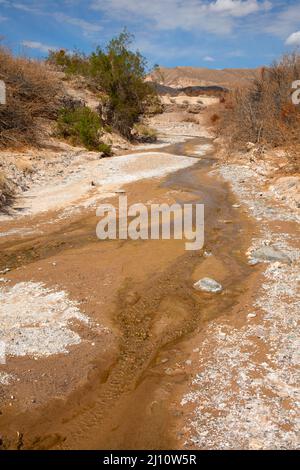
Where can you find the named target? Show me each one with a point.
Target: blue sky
(204, 33)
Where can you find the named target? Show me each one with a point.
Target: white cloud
(239, 7)
(217, 17)
(285, 22)
(208, 58)
(38, 45)
(293, 39)
(23, 7)
(85, 26)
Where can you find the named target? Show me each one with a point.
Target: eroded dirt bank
(132, 323)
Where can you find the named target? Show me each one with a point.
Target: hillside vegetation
(263, 113)
(35, 90)
(32, 92)
(85, 100)
(119, 74)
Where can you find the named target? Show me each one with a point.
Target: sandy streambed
(143, 353)
(124, 308)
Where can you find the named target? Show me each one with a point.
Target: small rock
(4, 271)
(120, 191)
(195, 108)
(188, 362)
(251, 315)
(260, 333)
(196, 350)
(222, 335)
(164, 360)
(253, 262)
(236, 206)
(268, 253)
(208, 285)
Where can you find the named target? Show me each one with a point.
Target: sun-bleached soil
(91, 179)
(35, 320)
(245, 389)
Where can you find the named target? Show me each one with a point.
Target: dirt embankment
(49, 157)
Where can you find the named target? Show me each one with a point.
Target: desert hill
(181, 77)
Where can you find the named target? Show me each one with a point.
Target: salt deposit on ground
(6, 379)
(243, 403)
(245, 182)
(106, 173)
(36, 320)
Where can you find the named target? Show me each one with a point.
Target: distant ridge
(190, 90)
(183, 77)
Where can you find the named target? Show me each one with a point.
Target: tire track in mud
(138, 346)
(137, 349)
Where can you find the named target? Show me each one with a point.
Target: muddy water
(143, 291)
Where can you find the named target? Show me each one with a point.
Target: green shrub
(80, 126)
(6, 191)
(144, 132)
(105, 149)
(120, 74)
(72, 64)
